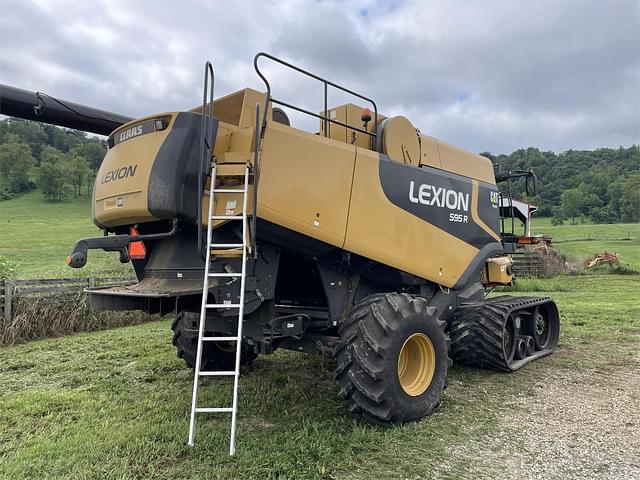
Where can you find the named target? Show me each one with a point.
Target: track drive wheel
(541, 329)
(392, 359)
(215, 355)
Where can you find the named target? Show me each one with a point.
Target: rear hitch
(112, 243)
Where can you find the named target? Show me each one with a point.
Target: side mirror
(501, 176)
(531, 184)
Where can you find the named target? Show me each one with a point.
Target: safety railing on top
(325, 116)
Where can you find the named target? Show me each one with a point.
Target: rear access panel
(305, 183)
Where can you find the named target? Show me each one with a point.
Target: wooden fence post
(8, 293)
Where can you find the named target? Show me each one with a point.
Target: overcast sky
(485, 75)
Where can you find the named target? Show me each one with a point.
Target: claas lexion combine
(366, 241)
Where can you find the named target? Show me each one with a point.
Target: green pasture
(114, 405)
(37, 236)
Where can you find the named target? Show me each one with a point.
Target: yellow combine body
(367, 241)
(331, 189)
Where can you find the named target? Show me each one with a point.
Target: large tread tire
(367, 358)
(185, 339)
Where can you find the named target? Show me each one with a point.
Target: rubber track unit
(477, 333)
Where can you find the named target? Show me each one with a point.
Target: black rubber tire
(185, 339)
(367, 356)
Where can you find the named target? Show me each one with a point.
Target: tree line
(60, 162)
(601, 185)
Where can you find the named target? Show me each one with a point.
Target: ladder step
(225, 274)
(217, 374)
(214, 410)
(227, 217)
(223, 305)
(219, 339)
(225, 253)
(226, 245)
(229, 190)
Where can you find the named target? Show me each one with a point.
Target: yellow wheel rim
(416, 364)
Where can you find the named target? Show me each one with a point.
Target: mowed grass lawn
(115, 405)
(38, 235)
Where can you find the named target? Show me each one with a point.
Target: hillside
(46, 177)
(602, 184)
(37, 236)
(62, 163)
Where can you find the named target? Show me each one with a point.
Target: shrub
(8, 268)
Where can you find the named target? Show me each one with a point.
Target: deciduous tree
(16, 162)
(54, 174)
(571, 203)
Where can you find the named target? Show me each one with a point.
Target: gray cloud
(485, 75)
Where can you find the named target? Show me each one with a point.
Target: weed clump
(608, 269)
(54, 316)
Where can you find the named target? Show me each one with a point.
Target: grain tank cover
(399, 140)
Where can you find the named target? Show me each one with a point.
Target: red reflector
(528, 240)
(136, 249)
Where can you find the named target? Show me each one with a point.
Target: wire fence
(43, 308)
(12, 290)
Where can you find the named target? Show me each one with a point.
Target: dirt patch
(573, 424)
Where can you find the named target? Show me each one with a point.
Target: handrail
(513, 215)
(325, 82)
(206, 135)
(509, 207)
(256, 178)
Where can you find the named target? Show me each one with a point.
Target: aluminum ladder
(230, 249)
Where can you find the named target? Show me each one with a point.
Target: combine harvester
(366, 241)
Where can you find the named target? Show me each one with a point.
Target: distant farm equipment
(604, 258)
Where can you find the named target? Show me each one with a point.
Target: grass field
(38, 236)
(114, 405)
(584, 241)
